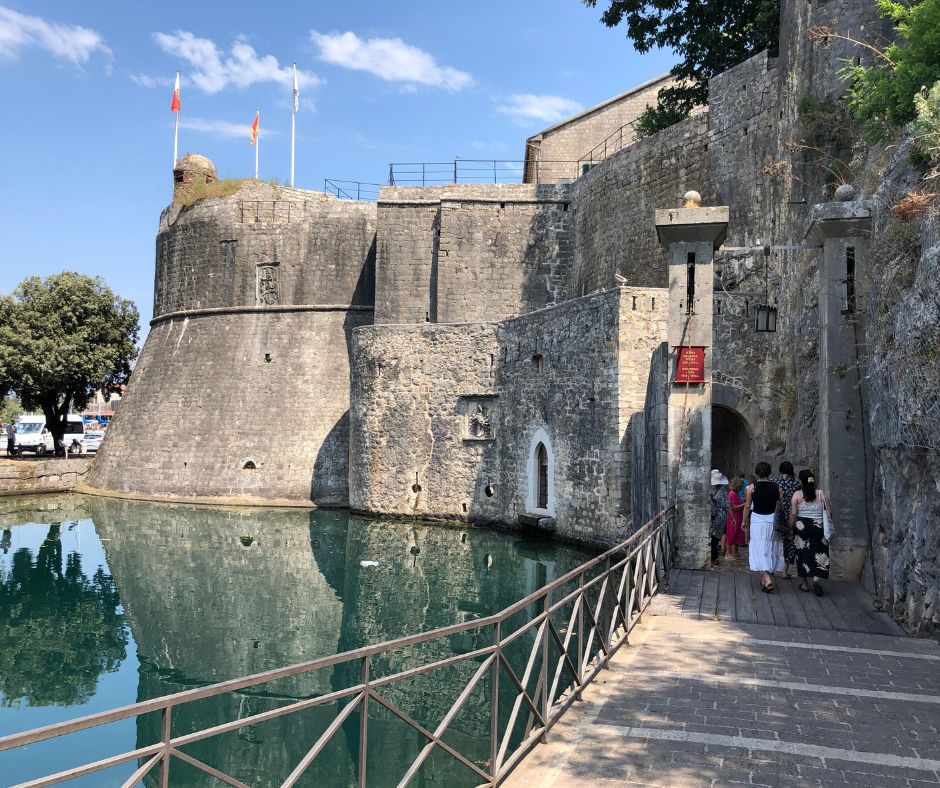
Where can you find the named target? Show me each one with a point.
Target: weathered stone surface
(576, 372)
(242, 388)
(22, 477)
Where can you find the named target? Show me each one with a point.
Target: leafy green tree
(709, 37)
(61, 338)
(60, 629)
(882, 95)
(10, 408)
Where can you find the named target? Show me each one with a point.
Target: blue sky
(87, 87)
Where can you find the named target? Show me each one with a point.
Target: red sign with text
(690, 364)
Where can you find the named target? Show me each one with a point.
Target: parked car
(92, 441)
(32, 435)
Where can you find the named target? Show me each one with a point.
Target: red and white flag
(253, 138)
(175, 102)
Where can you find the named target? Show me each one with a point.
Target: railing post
(391, 174)
(494, 702)
(494, 171)
(422, 173)
(166, 724)
(580, 599)
(546, 605)
(364, 723)
(455, 170)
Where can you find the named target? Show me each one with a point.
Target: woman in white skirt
(765, 545)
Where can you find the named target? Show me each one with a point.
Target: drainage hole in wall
(255, 643)
(464, 505)
(488, 491)
(415, 550)
(247, 541)
(463, 538)
(249, 466)
(416, 488)
(268, 358)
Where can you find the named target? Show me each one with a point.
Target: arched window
(541, 482)
(542, 494)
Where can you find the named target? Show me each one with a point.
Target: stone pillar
(691, 235)
(843, 229)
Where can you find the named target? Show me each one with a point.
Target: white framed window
(541, 475)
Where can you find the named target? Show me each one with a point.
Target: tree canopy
(60, 628)
(61, 339)
(709, 37)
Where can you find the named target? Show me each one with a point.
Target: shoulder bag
(828, 527)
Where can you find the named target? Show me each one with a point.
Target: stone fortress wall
(469, 280)
(467, 252)
(242, 387)
(575, 137)
(445, 418)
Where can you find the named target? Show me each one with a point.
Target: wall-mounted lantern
(766, 318)
(766, 314)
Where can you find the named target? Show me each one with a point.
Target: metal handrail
(352, 190)
(441, 173)
(613, 142)
(629, 576)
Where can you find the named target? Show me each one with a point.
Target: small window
(538, 362)
(542, 495)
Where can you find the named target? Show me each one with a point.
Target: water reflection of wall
(213, 594)
(199, 600)
(428, 577)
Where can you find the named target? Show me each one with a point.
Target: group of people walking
(784, 521)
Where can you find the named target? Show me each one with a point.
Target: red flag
(175, 103)
(254, 129)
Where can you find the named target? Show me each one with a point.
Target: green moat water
(106, 602)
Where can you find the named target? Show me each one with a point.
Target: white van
(32, 435)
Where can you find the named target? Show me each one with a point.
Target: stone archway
(731, 441)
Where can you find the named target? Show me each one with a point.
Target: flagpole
(176, 128)
(257, 142)
(293, 126)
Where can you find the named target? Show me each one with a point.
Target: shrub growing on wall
(882, 95)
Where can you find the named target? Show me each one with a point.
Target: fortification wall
(242, 387)
(574, 139)
(469, 252)
(614, 204)
(445, 417)
(320, 249)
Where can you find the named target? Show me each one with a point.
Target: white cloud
(548, 109)
(147, 81)
(390, 59)
(69, 42)
(224, 128)
(213, 70)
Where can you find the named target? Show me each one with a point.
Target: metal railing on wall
(545, 649)
(480, 171)
(352, 190)
(615, 141)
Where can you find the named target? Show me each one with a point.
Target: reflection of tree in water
(60, 629)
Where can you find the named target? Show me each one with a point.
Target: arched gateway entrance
(731, 441)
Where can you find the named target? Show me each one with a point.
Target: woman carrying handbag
(811, 520)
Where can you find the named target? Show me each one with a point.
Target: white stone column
(691, 235)
(843, 229)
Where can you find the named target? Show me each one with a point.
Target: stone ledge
(25, 477)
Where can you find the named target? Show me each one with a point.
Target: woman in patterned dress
(809, 535)
(788, 484)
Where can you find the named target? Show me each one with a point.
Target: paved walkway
(704, 695)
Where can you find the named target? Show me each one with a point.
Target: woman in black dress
(809, 534)
(788, 485)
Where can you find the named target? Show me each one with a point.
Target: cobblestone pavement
(705, 701)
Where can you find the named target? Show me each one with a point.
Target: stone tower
(242, 387)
